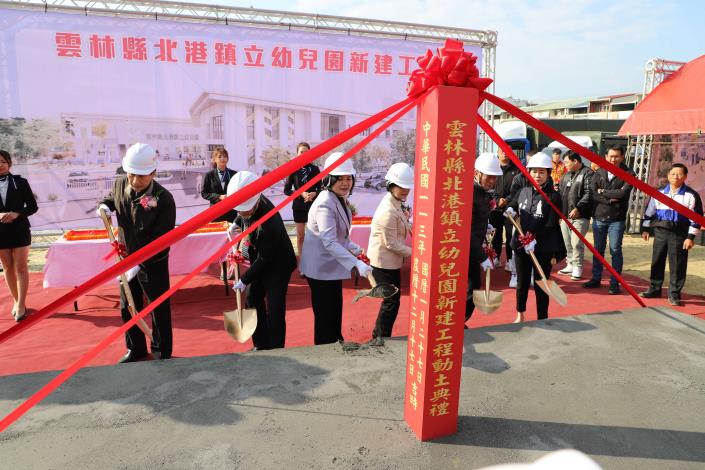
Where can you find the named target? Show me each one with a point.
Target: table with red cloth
(70, 263)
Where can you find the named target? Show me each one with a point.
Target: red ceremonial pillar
(446, 131)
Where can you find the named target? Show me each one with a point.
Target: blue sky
(547, 49)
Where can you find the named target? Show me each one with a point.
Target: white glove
(510, 212)
(233, 229)
(131, 273)
(239, 286)
(363, 268)
(487, 264)
(105, 208)
(530, 247)
(490, 230)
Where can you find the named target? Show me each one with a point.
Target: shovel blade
(487, 303)
(380, 291)
(360, 294)
(240, 324)
(552, 289)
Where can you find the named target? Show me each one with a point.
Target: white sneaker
(509, 267)
(577, 274)
(513, 281)
(567, 270)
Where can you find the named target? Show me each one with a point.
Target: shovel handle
(532, 255)
(372, 280)
(487, 283)
(124, 285)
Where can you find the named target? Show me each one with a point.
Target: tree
(26, 140)
(404, 147)
(274, 157)
(380, 155)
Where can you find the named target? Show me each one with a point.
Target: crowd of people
(504, 202)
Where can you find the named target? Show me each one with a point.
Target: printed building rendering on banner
(79, 90)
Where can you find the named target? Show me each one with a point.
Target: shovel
(378, 291)
(240, 323)
(548, 286)
(124, 285)
(486, 300)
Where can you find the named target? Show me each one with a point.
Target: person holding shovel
(145, 211)
(328, 255)
(387, 247)
(542, 234)
(487, 170)
(272, 260)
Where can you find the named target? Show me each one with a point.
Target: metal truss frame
(640, 146)
(195, 12)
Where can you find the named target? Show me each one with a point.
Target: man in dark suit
(145, 211)
(272, 260)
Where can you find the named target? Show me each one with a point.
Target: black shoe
(613, 290)
(675, 301)
(163, 356)
(132, 356)
(650, 294)
(591, 284)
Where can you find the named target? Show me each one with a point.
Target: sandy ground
(637, 260)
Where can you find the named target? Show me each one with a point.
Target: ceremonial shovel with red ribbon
(488, 301)
(548, 286)
(378, 291)
(121, 252)
(241, 323)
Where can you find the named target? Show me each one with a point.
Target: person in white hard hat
(487, 170)
(387, 247)
(145, 211)
(272, 260)
(328, 255)
(540, 223)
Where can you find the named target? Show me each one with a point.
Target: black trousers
(524, 268)
(389, 308)
(669, 244)
(474, 279)
(501, 225)
(152, 281)
(327, 303)
(268, 297)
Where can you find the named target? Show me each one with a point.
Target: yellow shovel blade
(487, 303)
(240, 324)
(551, 288)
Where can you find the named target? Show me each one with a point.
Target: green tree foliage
(404, 147)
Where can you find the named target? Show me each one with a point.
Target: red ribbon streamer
(363, 257)
(510, 153)
(201, 219)
(489, 251)
(452, 66)
(594, 158)
(118, 249)
(87, 357)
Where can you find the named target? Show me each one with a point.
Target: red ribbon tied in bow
(526, 239)
(235, 258)
(362, 257)
(489, 251)
(451, 66)
(118, 249)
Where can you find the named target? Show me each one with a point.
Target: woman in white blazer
(328, 255)
(387, 247)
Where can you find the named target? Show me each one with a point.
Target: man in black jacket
(611, 196)
(272, 260)
(487, 170)
(576, 195)
(501, 198)
(145, 211)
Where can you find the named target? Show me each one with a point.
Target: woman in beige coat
(387, 247)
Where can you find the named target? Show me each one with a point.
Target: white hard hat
(488, 164)
(345, 168)
(540, 160)
(140, 159)
(400, 174)
(239, 181)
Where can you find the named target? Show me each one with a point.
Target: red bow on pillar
(451, 66)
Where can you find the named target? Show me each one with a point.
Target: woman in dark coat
(215, 182)
(302, 204)
(17, 203)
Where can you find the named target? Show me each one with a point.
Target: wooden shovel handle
(124, 284)
(532, 255)
(487, 283)
(372, 280)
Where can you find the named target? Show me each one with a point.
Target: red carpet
(198, 322)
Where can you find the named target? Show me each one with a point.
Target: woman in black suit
(215, 182)
(302, 204)
(17, 203)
